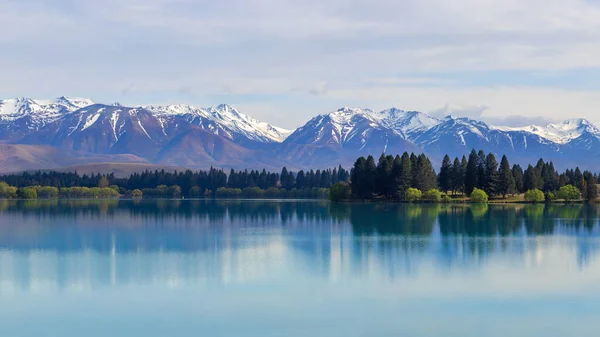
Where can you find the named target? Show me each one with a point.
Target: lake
(297, 268)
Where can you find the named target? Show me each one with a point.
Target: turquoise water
(258, 268)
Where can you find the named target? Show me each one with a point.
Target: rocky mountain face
(183, 135)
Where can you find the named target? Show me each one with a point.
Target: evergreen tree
(358, 178)
(445, 176)
(426, 178)
(506, 180)
(471, 174)
(371, 174)
(591, 191)
(532, 179)
(491, 174)
(518, 174)
(458, 176)
(405, 175)
(481, 178)
(384, 185)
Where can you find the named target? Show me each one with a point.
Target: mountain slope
(69, 131)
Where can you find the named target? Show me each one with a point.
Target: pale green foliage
(534, 196)
(413, 194)
(479, 196)
(433, 195)
(339, 192)
(569, 193)
(7, 191)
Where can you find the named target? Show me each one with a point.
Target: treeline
(410, 177)
(301, 184)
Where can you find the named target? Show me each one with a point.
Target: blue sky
(507, 62)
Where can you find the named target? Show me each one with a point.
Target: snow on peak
(560, 133)
(408, 122)
(39, 112)
(226, 118)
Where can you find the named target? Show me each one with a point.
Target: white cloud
(312, 54)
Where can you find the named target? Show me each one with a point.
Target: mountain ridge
(187, 136)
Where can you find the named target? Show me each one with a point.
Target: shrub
(28, 193)
(534, 196)
(224, 192)
(446, 199)
(7, 191)
(137, 193)
(413, 194)
(479, 196)
(339, 192)
(433, 195)
(47, 192)
(550, 196)
(569, 193)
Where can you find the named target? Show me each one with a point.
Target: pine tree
(370, 176)
(518, 175)
(358, 178)
(491, 174)
(591, 191)
(481, 178)
(445, 176)
(426, 178)
(532, 179)
(384, 176)
(404, 178)
(506, 180)
(471, 173)
(458, 176)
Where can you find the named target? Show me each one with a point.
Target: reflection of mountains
(128, 241)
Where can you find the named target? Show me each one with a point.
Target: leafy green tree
(7, 191)
(28, 193)
(479, 196)
(413, 194)
(339, 191)
(506, 180)
(445, 176)
(569, 193)
(137, 193)
(103, 182)
(47, 192)
(471, 173)
(535, 196)
(433, 195)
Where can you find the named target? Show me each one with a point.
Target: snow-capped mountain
(561, 133)
(223, 120)
(184, 135)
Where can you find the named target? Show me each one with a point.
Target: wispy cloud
(336, 52)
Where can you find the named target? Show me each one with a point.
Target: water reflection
(89, 243)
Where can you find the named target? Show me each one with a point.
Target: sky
(508, 62)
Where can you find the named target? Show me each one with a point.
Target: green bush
(7, 191)
(534, 196)
(550, 196)
(339, 192)
(446, 199)
(137, 193)
(479, 196)
(224, 192)
(47, 192)
(28, 193)
(433, 195)
(569, 193)
(412, 195)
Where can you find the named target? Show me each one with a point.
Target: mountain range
(67, 131)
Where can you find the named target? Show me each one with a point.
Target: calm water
(196, 268)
